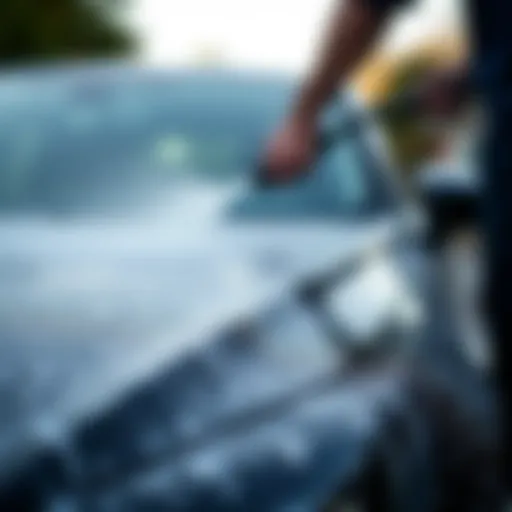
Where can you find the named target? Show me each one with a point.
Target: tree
(62, 29)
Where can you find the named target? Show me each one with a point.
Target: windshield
(67, 146)
(108, 144)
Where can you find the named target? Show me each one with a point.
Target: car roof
(96, 72)
(83, 71)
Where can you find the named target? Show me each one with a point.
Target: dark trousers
(499, 304)
(500, 319)
(497, 233)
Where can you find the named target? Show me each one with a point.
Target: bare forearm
(354, 28)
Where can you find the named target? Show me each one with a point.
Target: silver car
(176, 336)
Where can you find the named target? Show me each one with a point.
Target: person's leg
(499, 303)
(497, 236)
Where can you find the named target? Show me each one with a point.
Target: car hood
(87, 307)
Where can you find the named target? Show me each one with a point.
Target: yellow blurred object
(384, 75)
(375, 80)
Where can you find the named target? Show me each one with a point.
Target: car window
(99, 145)
(74, 148)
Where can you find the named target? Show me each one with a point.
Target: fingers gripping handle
(401, 106)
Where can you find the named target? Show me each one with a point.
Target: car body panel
(179, 360)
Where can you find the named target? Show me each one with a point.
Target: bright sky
(261, 33)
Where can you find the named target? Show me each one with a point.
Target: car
(175, 335)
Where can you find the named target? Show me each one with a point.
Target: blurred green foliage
(33, 30)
